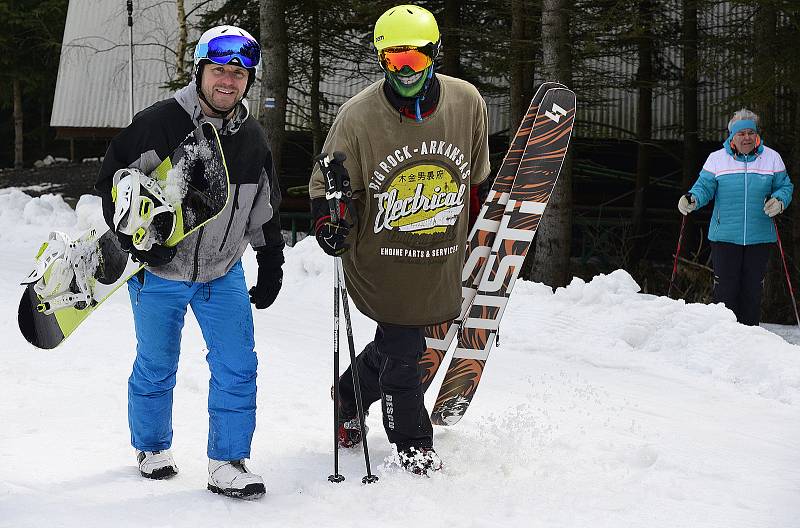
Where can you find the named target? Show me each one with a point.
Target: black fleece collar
(405, 105)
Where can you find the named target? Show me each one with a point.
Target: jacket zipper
(230, 220)
(196, 254)
(744, 241)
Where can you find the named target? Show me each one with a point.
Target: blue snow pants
(222, 308)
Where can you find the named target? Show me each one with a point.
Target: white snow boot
(156, 464)
(233, 479)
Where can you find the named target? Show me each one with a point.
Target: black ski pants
(388, 370)
(739, 277)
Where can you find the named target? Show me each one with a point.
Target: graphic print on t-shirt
(419, 192)
(423, 199)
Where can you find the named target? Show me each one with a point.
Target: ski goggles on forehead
(232, 49)
(395, 59)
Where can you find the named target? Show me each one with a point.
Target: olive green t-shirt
(411, 184)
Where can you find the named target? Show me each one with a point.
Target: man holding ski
(415, 143)
(204, 271)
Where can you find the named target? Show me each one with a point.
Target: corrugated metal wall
(612, 113)
(92, 89)
(339, 87)
(721, 81)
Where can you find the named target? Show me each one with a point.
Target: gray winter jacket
(251, 214)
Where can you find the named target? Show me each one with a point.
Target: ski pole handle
(337, 181)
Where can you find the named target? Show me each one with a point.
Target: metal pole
(786, 270)
(336, 477)
(130, 47)
(337, 187)
(369, 478)
(677, 251)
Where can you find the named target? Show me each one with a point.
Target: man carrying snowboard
(415, 142)
(204, 271)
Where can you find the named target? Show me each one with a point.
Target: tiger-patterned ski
(498, 244)
(439, 337)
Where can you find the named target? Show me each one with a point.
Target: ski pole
(677, 251)
(786, 270)
(337, 190)
(369, 477)
(336, 477)
(330, 196)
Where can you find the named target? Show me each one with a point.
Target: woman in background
(749, 185)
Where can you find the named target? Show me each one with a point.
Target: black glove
(157, 255)
(270, 278)
(330, 235)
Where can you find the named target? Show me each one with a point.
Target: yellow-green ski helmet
(406, 25)
(403, 27)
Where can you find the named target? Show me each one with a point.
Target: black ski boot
(419, 460)
(349, 432)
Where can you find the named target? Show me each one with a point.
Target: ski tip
(444, 420)
(450, 411)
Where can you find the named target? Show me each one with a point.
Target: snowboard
(195, 180)
(496, 249)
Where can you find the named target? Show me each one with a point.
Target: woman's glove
(773, 207)
(687, 204)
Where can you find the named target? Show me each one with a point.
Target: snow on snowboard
(496, 249)
(72, 278)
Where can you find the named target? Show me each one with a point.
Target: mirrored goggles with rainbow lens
(232, 49)
(395, 59)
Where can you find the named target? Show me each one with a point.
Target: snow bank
(605, 322)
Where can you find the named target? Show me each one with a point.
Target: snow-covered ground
(602, 407)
